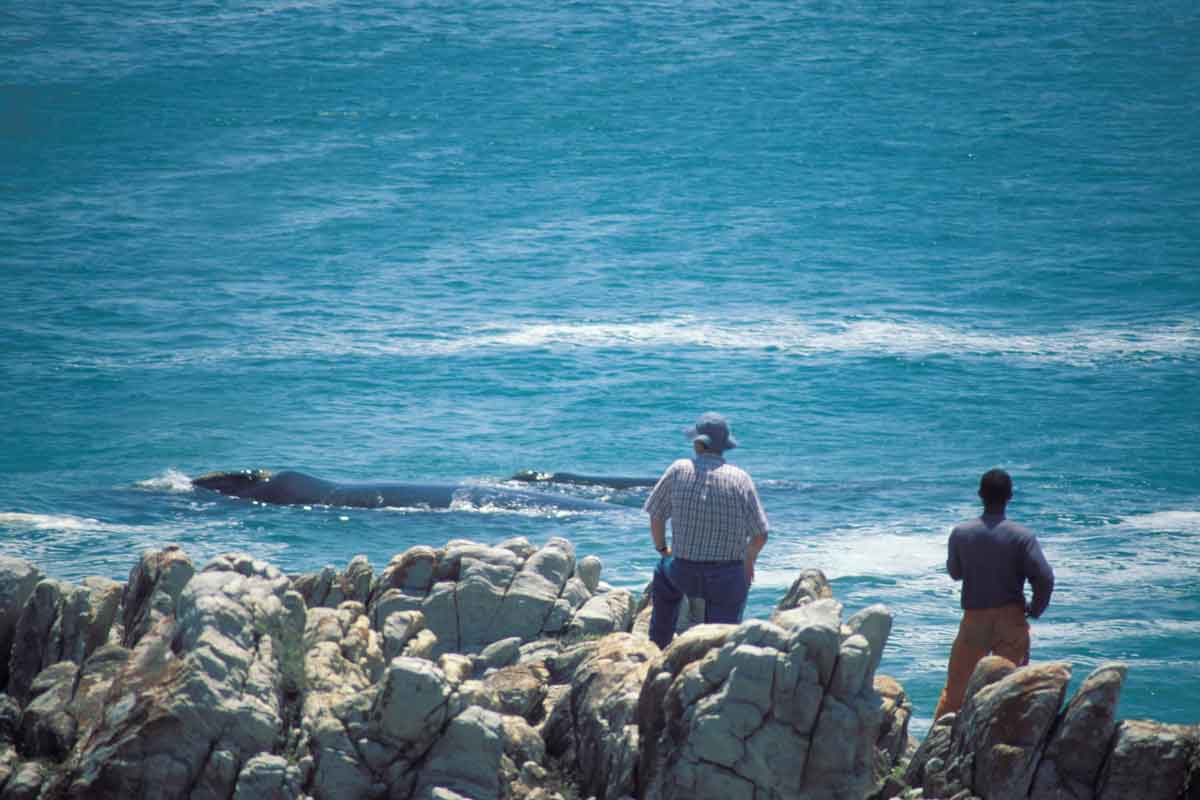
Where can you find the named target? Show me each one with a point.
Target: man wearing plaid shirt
(718, 527)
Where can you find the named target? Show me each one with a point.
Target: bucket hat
(713, 430)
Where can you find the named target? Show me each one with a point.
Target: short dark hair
(995, 487)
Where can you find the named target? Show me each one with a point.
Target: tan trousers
(1003, 631)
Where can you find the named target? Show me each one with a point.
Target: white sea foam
(882, 336)
(1165, 521)
(171, 480)
(872, 550)
(16, 520)
(466, 506)
(899, 337)
(548, 512)
(890, 337)
(51, 522)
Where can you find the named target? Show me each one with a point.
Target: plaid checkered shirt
(713, 507)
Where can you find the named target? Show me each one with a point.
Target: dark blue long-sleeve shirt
(993, 557)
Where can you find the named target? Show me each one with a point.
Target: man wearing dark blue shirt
(993, 557)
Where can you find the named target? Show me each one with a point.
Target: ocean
(896, 244)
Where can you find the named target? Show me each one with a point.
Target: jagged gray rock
(777, 710)
(9, 761)
(47, 731)
(501, 654)
(26, 780)
(893, 742)
(810, 585)
(403, 736)
(602, 614)
(330, 588)
(478, 732)
(234, 688)
(1005, 726)
(998, 736)
(10, 719)
(998, 742)
(483, 581)
(594, 725)
(268, 777)
(931, 754)
(527, 606)
(875, 624)
(18, 578)
(200, 694)
(473, 595)
(400, 628)
(153, 590)
(348, 629)
(588, 569)
(60, 622)
(1150, 761)
(1070, 766)
(411, 571)
(518, 690)
(337, 696)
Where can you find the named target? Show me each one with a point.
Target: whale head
(237, 483)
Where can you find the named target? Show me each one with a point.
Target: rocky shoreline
(513, 671)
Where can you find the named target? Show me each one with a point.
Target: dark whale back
(575, 479)
(297, 488)
(391, 495)
(293, 488)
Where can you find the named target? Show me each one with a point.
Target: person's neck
(994, 511)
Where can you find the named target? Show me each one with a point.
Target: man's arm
(953, 559)
(1040, 575)
(658, 532)
(658, 506)
(757, 521)
(753, 548)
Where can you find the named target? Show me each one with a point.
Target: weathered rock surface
(60, 622)
(770, 709)
(201, 694)
(1011, 740)
(153, 590)
(594, 725)
(602, 614)
(1151, 761)
(1070, 767)
(518, 690)
(17, 581)
(931, 756)
(268, 777)
(893, 742)
(810, 585)
(481, 671)
(472, 595)
(999, 734)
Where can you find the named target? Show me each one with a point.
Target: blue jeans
(722, 584)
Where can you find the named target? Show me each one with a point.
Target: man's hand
(753, 548)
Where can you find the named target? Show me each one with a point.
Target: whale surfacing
(289, 487)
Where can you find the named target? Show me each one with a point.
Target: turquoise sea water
(442, 242)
